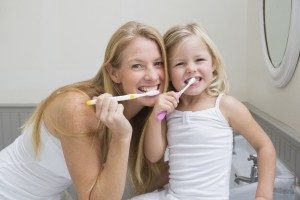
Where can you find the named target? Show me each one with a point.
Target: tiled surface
(11, 120)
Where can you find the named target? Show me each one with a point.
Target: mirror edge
(281, 75)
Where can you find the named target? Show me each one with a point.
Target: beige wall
(282, 104)
(46, 44)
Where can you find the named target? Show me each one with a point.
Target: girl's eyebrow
(174, 59)
(200, 54)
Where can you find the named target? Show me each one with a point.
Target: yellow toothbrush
(127, 97)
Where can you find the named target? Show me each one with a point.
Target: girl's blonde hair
(174, 36)
(142, 173)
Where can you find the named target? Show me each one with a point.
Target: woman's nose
(151, 74)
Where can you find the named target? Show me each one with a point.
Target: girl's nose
(191, 68)
(151, 74)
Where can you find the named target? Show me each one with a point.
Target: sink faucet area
(244, 171)
(253, 175)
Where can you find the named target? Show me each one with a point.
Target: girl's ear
(113, 73)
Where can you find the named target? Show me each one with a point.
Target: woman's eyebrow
(135, 60)
(159, 58)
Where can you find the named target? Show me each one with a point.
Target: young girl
(199, 132)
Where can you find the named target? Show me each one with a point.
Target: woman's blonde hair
(142, 173)
(174, 36)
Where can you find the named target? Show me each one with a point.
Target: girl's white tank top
(200, 154)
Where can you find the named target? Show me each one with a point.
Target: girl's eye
(159, 64)
(136, 66)
(200, 59)
(179, 64)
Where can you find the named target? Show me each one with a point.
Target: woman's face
(141, 69)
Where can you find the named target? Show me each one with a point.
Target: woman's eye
(136, 66)
(159, 64)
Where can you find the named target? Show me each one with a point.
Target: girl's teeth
(197, 79)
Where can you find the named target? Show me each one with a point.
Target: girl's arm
(92, 179)
(242, 121)
(155, 134)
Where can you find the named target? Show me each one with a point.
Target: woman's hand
(110, 113)
(166, 102)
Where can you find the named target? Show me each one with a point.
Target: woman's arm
(155, 134)
(92, 179)
(241, 120)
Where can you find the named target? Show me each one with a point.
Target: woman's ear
(214, 68)
(113, 73)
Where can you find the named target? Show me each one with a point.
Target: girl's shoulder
(229, 105)
(69, 110)
(234, 110)
(228, 101)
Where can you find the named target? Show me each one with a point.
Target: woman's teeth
(147, 89)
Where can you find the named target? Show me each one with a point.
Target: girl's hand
(166, 102)
(110, 113)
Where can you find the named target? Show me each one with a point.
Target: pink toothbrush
(162, 115)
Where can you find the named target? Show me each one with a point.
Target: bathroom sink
(245, 192)
(242, 167)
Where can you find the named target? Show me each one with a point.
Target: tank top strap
(217, 107)
(218, 101)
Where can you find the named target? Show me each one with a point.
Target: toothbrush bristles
(192, 80)
(152, 93)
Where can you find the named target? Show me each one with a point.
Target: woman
(65, 139)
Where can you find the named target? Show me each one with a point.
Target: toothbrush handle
(124, 97)
(161, 115)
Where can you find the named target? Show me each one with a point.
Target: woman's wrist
(122, 137)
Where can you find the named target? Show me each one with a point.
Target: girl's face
(191, 58)
(141, 70)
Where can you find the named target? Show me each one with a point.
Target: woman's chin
(147, 101)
